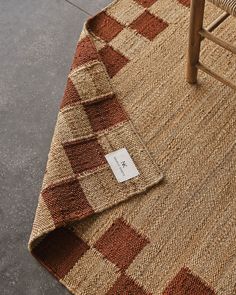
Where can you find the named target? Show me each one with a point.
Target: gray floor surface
(37, 43)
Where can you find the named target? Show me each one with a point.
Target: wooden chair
(198, 33)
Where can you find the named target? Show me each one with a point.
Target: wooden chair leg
(196, 24)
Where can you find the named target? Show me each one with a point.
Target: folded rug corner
(78, 181)
(167, 225)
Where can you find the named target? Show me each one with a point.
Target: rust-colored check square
(113, 60)
(85, 52)
(84, 154)
(185, 2)
(105, 113)
(120, 244)
(71, 95)
(105, 27)
(146, 3)
(59, 251)
(66, 200)
(148, 25)
(126, 286)
(185, 283)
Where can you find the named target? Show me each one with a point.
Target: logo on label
(122, 165)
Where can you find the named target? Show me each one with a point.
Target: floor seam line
(83, 10)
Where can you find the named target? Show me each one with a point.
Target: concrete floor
(37, 43)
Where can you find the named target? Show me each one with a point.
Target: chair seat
(227, 5)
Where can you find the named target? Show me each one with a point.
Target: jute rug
(139, 192)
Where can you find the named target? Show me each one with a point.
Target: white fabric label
(122, 165)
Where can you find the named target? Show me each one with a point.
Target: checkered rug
(171, 229)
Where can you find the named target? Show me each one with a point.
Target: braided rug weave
(227, 5)
(171, 230)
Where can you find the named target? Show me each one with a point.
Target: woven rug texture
(171, 230)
